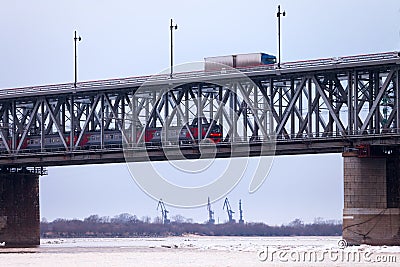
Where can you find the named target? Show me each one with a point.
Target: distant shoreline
(62, 228)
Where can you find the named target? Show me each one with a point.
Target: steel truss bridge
(316, 106)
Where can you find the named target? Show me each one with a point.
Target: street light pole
(279, 34)
(171, 28)
(76, 39)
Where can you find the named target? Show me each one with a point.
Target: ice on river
(199, 251)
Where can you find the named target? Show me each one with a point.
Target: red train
(152, 136)
(182, 135)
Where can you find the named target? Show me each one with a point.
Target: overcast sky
(131, 38)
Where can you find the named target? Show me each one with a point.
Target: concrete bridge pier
(371, 213)
(19, 207)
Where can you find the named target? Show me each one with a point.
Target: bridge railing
(369, 57)
(308, 63)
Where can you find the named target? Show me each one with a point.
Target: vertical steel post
(62, 120)
(101, 121)
(397, 99)
(292, 117)
(271, 106)
(166, 115)
(42, 133)
(235, 116)
(171, 28)
(92, 120)
(6, 121)
(301, 108)
(255, 109)
(377, 110)
(231, 113)
(330, 120)
(211, 106)
(279, 34)
(280, 95)
(245, 120)
(350, 111)
(370, 98)
(76, 39)
(72, 121)
(154, 106)
(355, 101)
(14, 125)
(123, 118)
(199, 119)
(221, 116)
(317, 116)
(309, 108)
(243, 104)
(186, 119)
(134, 121)
(178, 114)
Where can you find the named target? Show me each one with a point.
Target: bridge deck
(319, 65)
(115, 154)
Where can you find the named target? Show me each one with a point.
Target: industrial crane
(240, 212)
(211, 219)
(228, 210)
(164, 212)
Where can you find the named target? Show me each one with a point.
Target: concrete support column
(19, 209)
(371, 213)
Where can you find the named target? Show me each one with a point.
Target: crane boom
(211, 219)
(230, 212)
(240, 212)
(164, 212)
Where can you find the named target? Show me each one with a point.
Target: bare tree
(178, 218)
(146, 219)
(157, 220)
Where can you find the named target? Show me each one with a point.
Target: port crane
(211, 219)
(164, 212)
(240, 212)
(228, 210)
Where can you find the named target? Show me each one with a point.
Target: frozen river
(199, 251)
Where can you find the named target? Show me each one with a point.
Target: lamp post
(279, 34)
(76, 39)
(172, 28)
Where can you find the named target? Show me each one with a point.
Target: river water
(199, 251)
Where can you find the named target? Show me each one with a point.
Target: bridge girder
(297, 104)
